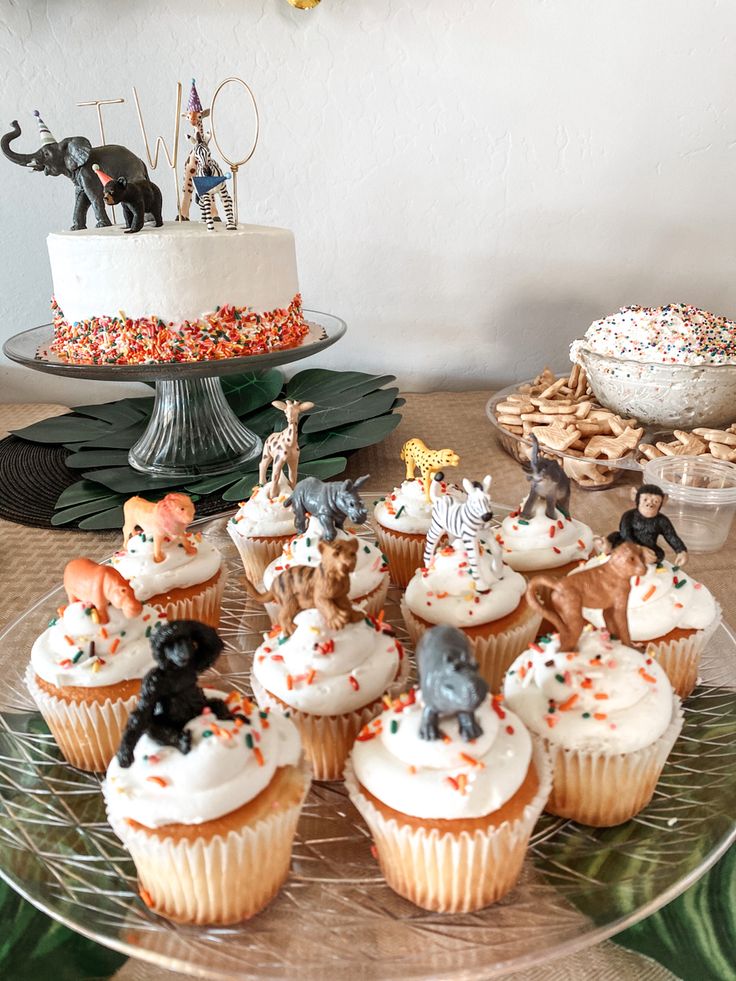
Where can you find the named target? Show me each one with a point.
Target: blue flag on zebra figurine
(204, 185)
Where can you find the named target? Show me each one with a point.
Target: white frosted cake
(174, 293)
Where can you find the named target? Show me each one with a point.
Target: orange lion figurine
(603, 587)
(167, 519)
(97, 585)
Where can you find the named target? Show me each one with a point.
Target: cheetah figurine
(417, 456)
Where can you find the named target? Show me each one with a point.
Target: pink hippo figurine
(97, 585)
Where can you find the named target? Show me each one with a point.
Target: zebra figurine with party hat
(201, 171)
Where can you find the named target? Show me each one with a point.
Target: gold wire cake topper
(171, 158)
(235, 164)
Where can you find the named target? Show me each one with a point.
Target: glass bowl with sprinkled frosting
(672, 366)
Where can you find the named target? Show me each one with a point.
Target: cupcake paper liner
(680, 658)
(87, 733)
(372, 603)
(259, 552)
(204, 606)
(605, 789)
(404, 554)
(495, 653)
(328, 739)
(219, 880)
(446, 872)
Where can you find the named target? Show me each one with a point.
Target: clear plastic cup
(701, 497)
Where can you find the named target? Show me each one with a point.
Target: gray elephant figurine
(449, 682)
(74, 157)
(549, 482)
(331, 503)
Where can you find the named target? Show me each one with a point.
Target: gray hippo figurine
(550, 482)
(449, 682)
(332, 503)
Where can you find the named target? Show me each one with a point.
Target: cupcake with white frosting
(450, 809)
(329, 682)
(610, 715)
(186, 585)
(401, 521)
(85, 676)
(369, 580)
(211, 830)
(492, 613)
(673, 615)
(539, 544)
(262, 526)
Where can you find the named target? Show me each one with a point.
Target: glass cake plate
(335, 916)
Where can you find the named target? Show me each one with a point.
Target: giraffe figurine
(200, 163)
(282, 449)
(416, 455)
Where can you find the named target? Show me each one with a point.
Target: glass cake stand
(335, 916)
(192, 430)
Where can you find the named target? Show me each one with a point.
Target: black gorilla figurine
(449, 682)
(138, 198)
(170, 696)
(643, 524)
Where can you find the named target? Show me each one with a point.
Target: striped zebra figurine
(465, 520)
(201, 164)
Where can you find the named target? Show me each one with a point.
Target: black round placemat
(32, 475)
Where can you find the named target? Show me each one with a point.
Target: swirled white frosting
(328, 672)
(77, 651)
(542, 543)
(406, 509)
(661, 600)
(370, 567)
(603, 698)
(447, 593)
(448, 778)
(674, 334)
(262, 515)
(177, 571)
(229, 763)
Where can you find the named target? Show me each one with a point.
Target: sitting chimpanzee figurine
(170, 696)
(449, 682)
(138, 198)
(643, 524)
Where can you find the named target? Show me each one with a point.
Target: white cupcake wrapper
(258, 553)
(452, 873)
(404, 555)
(495, 653)
(205, 606)
(680, 658)
(605, 789)
(328, 739)
(87, 733)
(372, 603)
(221, 880)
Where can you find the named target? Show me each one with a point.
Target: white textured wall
(470, 182)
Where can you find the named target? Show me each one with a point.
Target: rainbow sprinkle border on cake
(229, 332)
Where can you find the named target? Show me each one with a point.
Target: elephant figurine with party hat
(74, 157)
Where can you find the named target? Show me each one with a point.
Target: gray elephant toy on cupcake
(75, 157)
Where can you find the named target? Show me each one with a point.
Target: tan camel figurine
(282, 449)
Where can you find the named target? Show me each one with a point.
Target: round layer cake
(174, 293)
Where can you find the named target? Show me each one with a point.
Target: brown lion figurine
(166, 519)
(324, 587)
(603, 587)
(97, 585)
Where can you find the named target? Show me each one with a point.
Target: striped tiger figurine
(464, 521)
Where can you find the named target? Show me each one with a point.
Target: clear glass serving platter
(335, 916)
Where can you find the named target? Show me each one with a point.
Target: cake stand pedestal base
(193, 432)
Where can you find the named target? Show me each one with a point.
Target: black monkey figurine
(449, 682)
(170, 696)
(643, 524)
(137, 197)
(550, 482)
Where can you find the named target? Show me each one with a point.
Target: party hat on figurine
(194, 105)
(44, 131)
(204, 185)
(104, 178)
